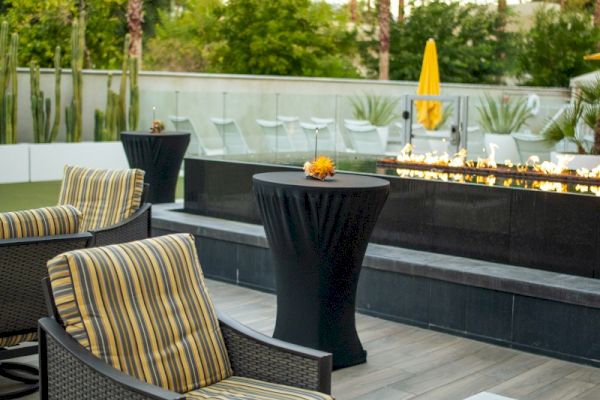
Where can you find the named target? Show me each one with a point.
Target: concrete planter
(14, 163)
(48, 160)
(579, 160)
(507, 147)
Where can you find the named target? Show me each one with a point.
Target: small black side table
(160, 155)
(318, 233)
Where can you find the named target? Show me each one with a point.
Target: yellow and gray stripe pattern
(143, 308)
(48, 221)
(16, 339)
(105, 197)
(239, 388)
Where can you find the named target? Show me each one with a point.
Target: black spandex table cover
(318, 233)
(160, 155)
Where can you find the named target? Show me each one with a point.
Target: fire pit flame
(533, 174)
(459, 160)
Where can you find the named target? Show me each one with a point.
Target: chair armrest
(136, 227)
(39, 240)
(69, 372)
(254, 355)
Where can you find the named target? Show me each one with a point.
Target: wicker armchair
(112, 203)
(136, 227)
(22, 266)
(70, 371)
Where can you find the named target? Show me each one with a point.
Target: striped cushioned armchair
(111, 203)
(28, 239)
(134, 321)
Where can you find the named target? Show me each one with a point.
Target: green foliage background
(552, 51)
(314, 38)
(471, 46)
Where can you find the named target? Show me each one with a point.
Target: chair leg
(19, 372)
(24, 373)
(21, 391)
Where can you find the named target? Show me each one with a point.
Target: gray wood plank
(409, 363)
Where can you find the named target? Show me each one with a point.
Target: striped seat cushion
(16, 339)
(239, 388)
(105, 197)
(143, 308)
(48, 221)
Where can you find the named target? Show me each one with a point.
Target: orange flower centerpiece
(157, 126)
(320, 168)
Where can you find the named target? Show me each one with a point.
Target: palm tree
(384, 39)
(353, 10)
(400, 11)
(135, 19)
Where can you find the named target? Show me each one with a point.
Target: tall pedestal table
(160, 155)
(318, 233)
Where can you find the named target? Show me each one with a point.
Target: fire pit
(510, 220)
(546, 176)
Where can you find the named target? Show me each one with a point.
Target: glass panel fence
(281, 127)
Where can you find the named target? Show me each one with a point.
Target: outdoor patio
(406, 362)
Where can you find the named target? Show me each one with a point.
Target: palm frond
(590, 91)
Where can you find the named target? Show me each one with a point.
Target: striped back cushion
(105, 197)
(48, 221)
(143, 308)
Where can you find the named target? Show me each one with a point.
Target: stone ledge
(488, 275)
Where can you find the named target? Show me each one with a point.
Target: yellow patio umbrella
(429, 113)
(591, 57)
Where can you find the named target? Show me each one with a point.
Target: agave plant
(503, 115)
(378, 110)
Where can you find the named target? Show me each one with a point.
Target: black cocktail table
(160, 155)
(318, 233)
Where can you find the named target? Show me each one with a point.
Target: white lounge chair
(276, 136)
(365, 139)
(292, 125)
(326, 140)
(197, 144)
(342, 140)
(232, 136)
(533, 145)
(356, 122)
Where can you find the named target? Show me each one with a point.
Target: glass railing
(280, 127)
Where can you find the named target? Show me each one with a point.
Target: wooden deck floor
(406, 362)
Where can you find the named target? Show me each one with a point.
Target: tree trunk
(502, 6)
(353, 10)
(135, 19)
(400, 11)
(384, 39)
(597, 13)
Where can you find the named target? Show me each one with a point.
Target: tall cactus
(73, 111)
(106, 123)
(3, 81)
(8, 85)
(134, 94)
(37, 103)
(122, 116)
(41, 107)
(57, 105)
(14, 90)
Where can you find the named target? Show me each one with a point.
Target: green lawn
(22, 196)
